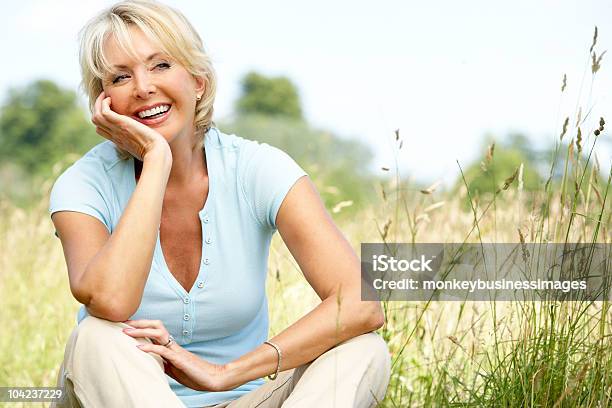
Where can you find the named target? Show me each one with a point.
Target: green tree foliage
(269, 96)
(41, 123)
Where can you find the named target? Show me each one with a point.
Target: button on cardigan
(225, 313)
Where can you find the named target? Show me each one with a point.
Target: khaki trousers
(103, 368)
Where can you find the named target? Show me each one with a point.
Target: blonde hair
(160, 23)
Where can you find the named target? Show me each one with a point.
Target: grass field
(468, 354)
(443, 353)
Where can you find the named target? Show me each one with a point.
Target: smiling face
(153, 88)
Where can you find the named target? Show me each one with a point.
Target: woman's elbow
(368, 315)
(103, 305)
(374, 317)
(110, 309)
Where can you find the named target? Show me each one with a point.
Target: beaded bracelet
(278, 350)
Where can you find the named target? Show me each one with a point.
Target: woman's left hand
(185, 367)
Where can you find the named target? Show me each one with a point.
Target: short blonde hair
(161, 24)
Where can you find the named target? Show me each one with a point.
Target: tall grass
(505, 354)
(444, 353)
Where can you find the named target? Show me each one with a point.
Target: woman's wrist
(227, 376)
(158, 153)
(253, 365)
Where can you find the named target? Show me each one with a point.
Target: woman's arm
(108, 273)
(333, 270)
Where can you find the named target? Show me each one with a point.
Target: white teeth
(154, 111)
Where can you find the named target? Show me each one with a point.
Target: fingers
(98, 102)
(159, 335)
(103, 115)
(153, 329)
(97, 118)
(107, 112)
(162, 351)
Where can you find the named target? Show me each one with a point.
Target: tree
(269, 96)
(41, 123)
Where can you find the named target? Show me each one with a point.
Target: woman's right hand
(127, 133)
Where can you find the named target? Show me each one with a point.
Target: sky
(445, 73)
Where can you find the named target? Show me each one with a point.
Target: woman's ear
(200, 83)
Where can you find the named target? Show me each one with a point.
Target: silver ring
(170, 341)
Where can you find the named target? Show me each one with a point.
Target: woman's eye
(119, 78)
(163, 65)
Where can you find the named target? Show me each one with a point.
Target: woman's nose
(143, 86)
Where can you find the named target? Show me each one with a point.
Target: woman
(168, 223)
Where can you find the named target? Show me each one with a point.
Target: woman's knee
(96, 338)
(93, 333)
(356, 373)
(103, 364)
(96, 323)
(373, 385)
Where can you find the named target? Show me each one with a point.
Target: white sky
(443, 72)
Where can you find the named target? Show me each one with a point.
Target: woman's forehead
(124, 52)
